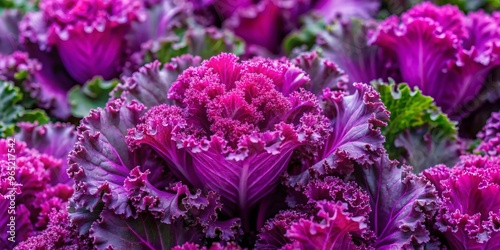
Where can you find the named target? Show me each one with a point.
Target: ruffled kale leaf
(401, 202)
(326, 213)
(355, 121)
(468, 204)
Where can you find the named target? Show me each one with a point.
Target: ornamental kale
(75, 41)
(327, 212)
(447, 54)
(385, 207)
(235, 127)
(77, 29)
(444, 52)
(205, 145)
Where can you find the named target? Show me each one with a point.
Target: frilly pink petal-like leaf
(401, 203)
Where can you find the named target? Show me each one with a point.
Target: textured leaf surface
(411, 109)
(401, 203)
(116, 232)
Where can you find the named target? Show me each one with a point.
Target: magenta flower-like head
(443, 52)
(235, 126)
(89, 34)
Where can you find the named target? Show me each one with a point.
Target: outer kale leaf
(412, 114)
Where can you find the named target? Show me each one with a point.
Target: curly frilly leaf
(355, 133)
(101, 161)
(307, 224)
(411, 109)
(172, 203)
(151, 82)
(469, 204)
(323, 72)
(273, 234)
(94, 94)
(401, 202)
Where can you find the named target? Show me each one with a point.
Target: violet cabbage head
(326, 212)
(80, 30)
(384, 207)
(453, 52)
(235, 127)
(75, 41)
